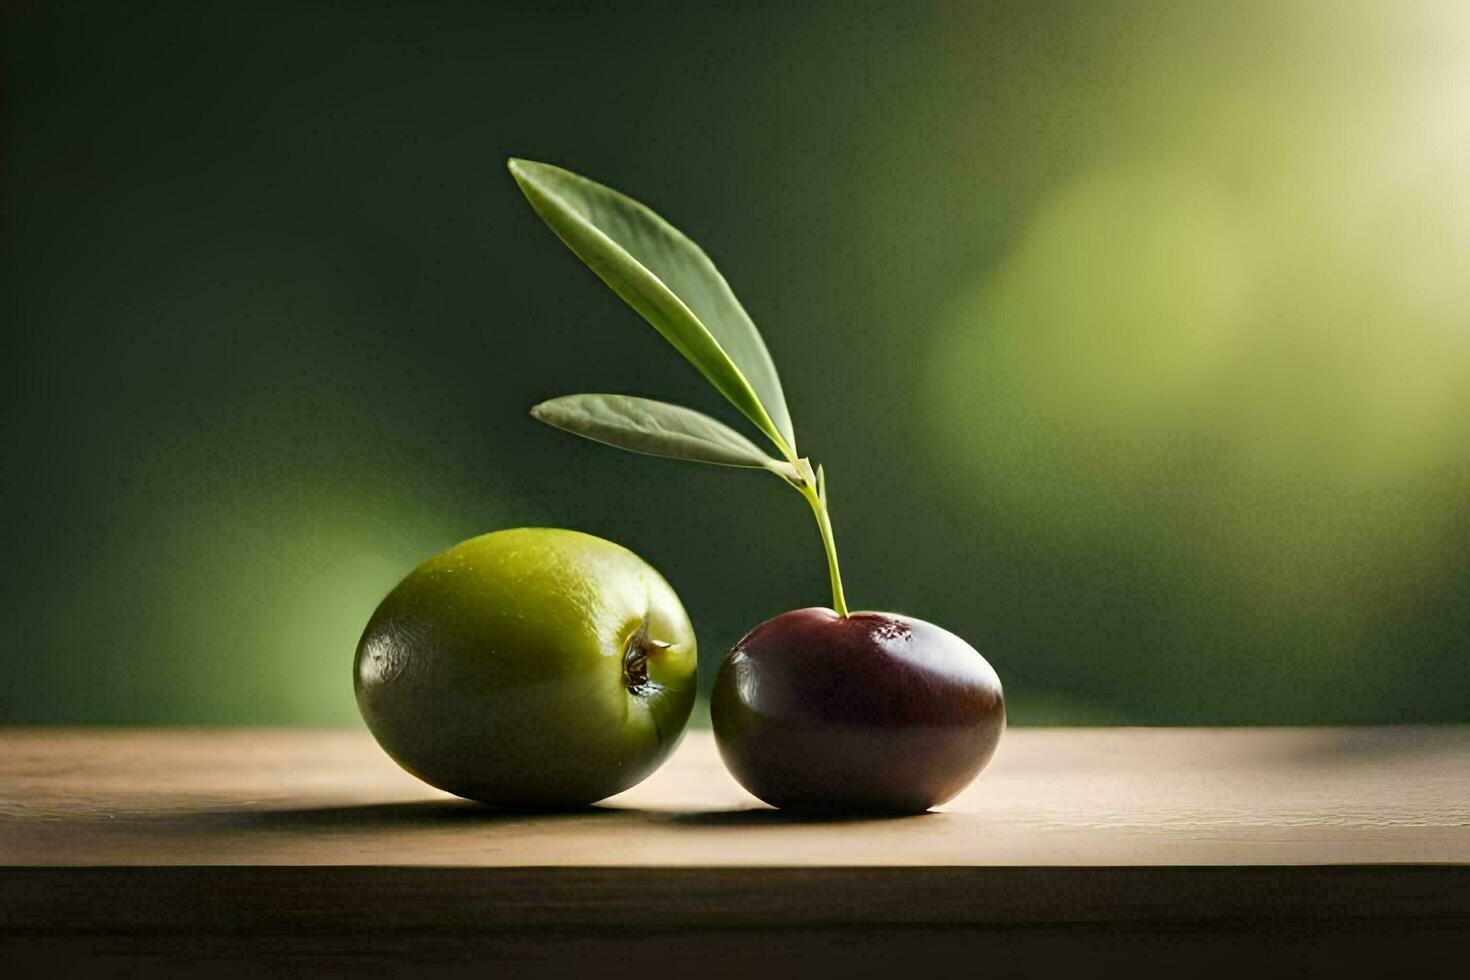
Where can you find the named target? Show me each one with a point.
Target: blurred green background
(1135, 338)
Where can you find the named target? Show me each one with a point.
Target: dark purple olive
(868, 712)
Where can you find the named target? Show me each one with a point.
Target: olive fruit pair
(548, 668)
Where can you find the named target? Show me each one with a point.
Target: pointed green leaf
(670, 281)
(642, 425)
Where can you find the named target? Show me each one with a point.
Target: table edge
(356, 897)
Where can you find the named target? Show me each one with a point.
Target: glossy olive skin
(872, 712)
(530, 667)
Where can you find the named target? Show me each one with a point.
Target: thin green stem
(824, 524)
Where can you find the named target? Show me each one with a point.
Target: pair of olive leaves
(675, 287)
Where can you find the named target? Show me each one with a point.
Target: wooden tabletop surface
(1052, 797)
(1066, 823)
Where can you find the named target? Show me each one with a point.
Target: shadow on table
(406, 814)
(439, 814)
(763, 817)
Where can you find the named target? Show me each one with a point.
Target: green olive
(529, 667)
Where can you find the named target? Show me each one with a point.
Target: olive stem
(824, 524)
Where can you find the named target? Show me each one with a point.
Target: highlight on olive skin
(817, 708)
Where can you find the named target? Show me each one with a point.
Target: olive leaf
(656, 428)
(670, 281)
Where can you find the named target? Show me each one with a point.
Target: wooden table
(257, 850)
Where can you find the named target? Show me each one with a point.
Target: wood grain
(1052, 798)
